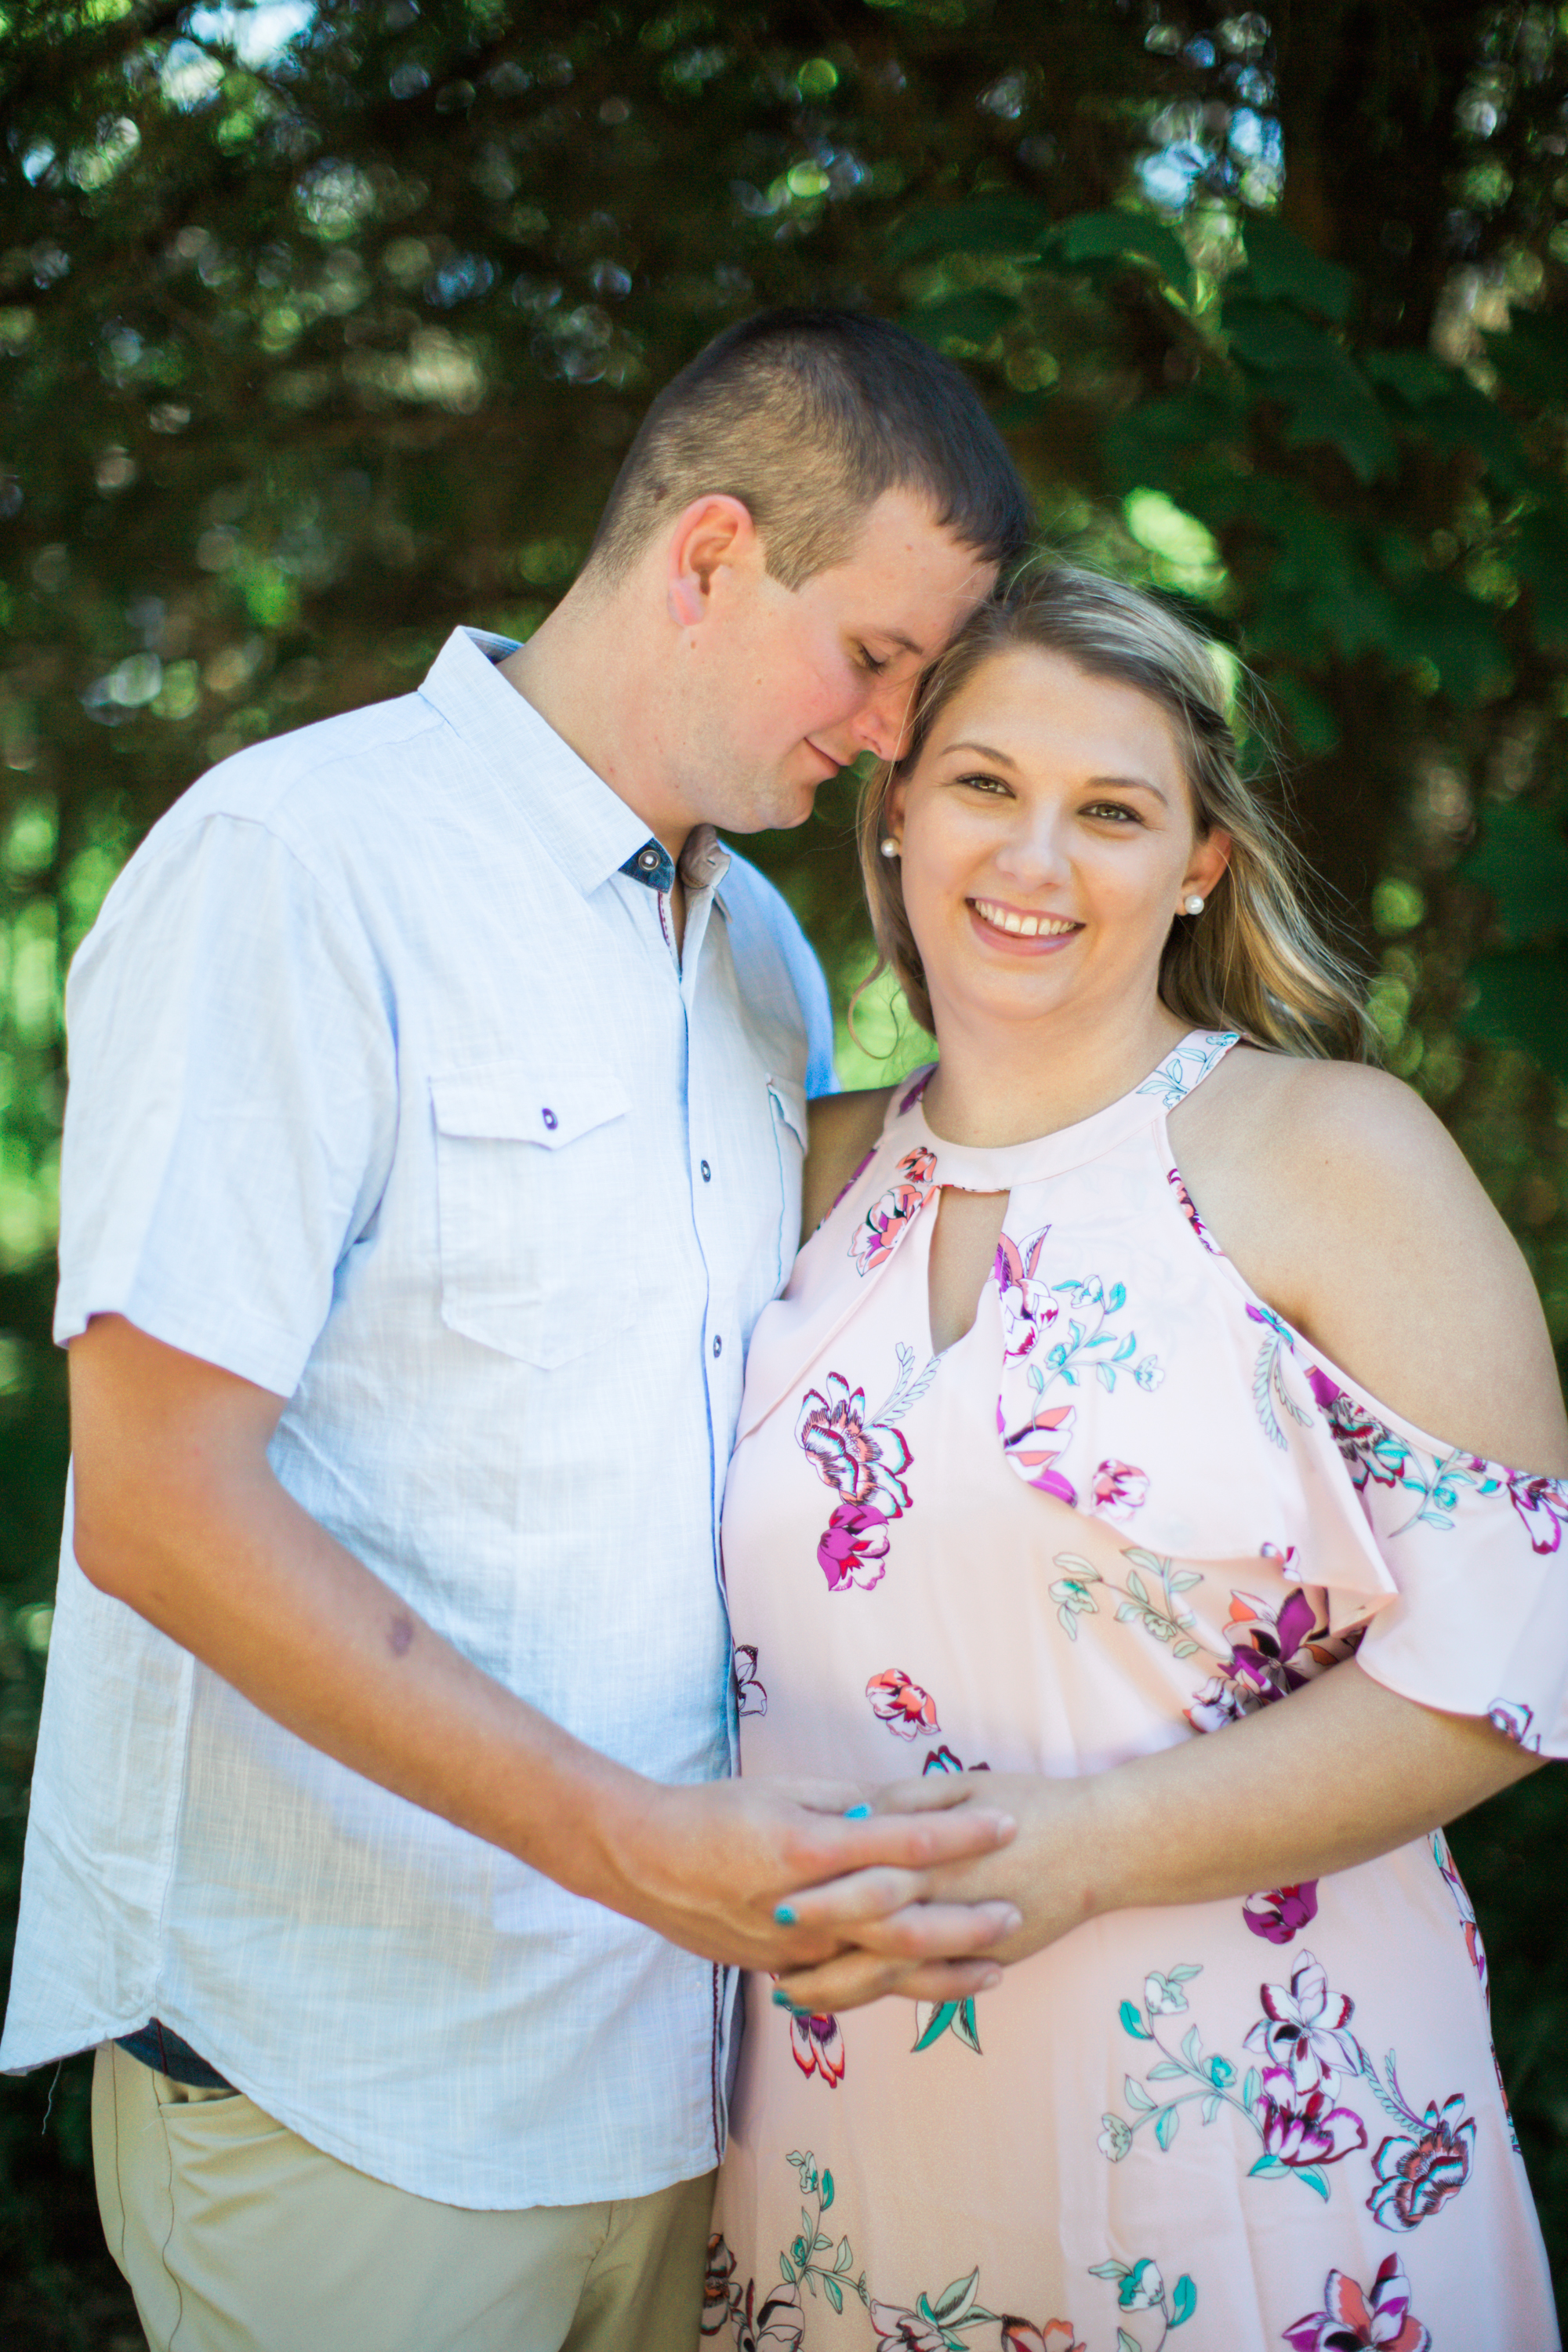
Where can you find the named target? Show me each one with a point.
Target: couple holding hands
(1030, 1640)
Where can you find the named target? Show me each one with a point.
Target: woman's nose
(1033, 851)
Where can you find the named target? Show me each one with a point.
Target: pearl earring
(890, 847)
(1193, 905)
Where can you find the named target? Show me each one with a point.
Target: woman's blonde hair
(1257, 958)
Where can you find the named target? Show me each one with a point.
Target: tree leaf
(1120, 236)
(976, 316)
(1522, 999)
(1284, 268)
(1522, 859)
(986, 225)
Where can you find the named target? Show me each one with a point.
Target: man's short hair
(807, 417)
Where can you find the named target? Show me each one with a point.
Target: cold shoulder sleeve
(1480, 1624)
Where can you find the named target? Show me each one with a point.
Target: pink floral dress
(1130, 1506)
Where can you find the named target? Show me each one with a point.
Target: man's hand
(178, 1514)
(770, 1873)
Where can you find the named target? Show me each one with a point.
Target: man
(437, 1116)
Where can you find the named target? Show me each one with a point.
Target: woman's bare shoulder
(1347, 1205)
(842, 1130)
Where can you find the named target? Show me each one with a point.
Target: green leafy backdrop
(323, 326)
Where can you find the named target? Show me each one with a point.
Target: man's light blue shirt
(390, 1094)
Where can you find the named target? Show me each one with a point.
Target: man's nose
(882, 723)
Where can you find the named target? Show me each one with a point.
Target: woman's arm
(1348, 1208)
(843, 1128)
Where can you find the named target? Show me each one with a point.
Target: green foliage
(314, 341)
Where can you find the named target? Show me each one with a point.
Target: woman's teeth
(1025, 927)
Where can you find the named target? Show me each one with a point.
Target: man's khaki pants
(238, 2236)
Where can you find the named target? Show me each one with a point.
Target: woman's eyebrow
(985, 751)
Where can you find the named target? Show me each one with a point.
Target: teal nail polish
(783, 1917)
(781, 1999)
(858, 1812)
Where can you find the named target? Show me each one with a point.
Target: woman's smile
(1020, 930)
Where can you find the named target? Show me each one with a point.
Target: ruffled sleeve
(1479, 1625)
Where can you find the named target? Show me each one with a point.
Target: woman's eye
(870, 661)
(992, 784)
(1116, 810)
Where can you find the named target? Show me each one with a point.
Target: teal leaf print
(1315, 2180)
(1160, 1614)
(1133, 2020)
(1125, 2343)
(953, 2305)
(1267, 2167)
(1109, 2270)
(1168, 2124)
(827, 2192)
(1183, 2301)
(1136, 2097)
(955, 2017)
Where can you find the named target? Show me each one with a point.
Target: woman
(1092, 1421)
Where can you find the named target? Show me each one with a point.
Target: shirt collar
(588, 830)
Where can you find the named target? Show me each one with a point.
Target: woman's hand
(1040, 1882)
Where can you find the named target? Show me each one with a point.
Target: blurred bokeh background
(325, 324)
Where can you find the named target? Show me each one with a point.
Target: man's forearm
(178, 1514)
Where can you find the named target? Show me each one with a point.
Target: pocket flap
(515, 1102)
(789, 1102)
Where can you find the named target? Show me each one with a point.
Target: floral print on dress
(1188, 1066)
(1268, 1389)
(751, 1694)
(1542, 1504)
(862, 1457)
(1376, 1455)
(1280, 1913)
(1513, 1718)
(1354, 2320)
(1184, 1203)
(1061, 1332)
(1420, 2168)
(890, 1216)
(907, 1710)
(817, 2047)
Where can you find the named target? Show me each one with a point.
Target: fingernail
(990, 1980)
(1015, 1918)
(857, 1812)
(781, 1999)
(783, 1917)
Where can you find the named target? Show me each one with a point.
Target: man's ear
(714, 534)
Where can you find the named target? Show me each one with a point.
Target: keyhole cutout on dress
(962, 1252)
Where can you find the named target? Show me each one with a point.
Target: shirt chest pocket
(534, 1181)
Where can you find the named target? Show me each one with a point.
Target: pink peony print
(1542, 1504)
(776, 2326)
(1419, 2171)
(817, 2048)
(1027, 1306)
(1119, 1490)
(1303, 2030)
(751, 1695)
(890, 1216)
(854, 1548)
(861, 1461)
(1035, 1449)
(1282, 1912)
(1056, 2335)
(1301, 2131)
(902, 1705)
(1351, 2321)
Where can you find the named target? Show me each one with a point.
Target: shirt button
(550, 1119)
(648, 860)
(706, 1173)
(718, 1345)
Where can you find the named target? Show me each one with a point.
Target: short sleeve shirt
(390, 1094)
